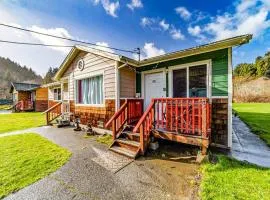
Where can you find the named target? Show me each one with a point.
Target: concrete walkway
(82, 178)
(247, 146)
(29, 130)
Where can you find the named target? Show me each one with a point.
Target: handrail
(119, 112)
(53, 112)
(143, 117)
(51, 108)
(129, 112)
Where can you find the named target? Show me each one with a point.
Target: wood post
(142, 139)
(114, 129)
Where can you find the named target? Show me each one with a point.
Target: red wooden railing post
(142, 138)
(114, 129)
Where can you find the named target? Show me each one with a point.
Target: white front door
(155, 87)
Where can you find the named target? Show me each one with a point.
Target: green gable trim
(219, 70)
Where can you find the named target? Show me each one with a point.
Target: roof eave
(227, 43)
(73, 53)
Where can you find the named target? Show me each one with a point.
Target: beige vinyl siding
(50, 93)
(93, 64)
(127, 83)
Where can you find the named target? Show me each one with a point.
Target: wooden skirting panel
(97, 116)
(41, 105)
(186, 139)
(220, 121)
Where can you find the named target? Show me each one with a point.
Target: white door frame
(163, 70)
(208, 64)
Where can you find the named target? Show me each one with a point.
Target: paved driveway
(82, 178)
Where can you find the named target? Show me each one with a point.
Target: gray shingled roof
(23, 86)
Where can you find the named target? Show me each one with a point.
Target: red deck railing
(130, 112)
(24, 105)
(145, 125)
(190, 116)
(183, 115)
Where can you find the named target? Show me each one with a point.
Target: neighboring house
(185, 96)
(29, 97)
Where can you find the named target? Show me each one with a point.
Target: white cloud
(159, 25)
(146, 21)
(110, 7)
(248, 18)
(176, 34)
(150, 50)
(135, 4)
(61, 32)
(37, 57)
(194, 31)
(165, 26)
(103, 46)
(245, 4)
(183, 12)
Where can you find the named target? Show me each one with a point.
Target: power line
(69, 39)
(34, 44)
(52, 45)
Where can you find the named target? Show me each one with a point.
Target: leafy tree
(49, 75)
(257, 69)
(245, 69)
(267, 73)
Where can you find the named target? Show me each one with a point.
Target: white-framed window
(89, 91)
(190, 80)
(57, 94)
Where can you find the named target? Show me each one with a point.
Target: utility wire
(52, 45)
(34, 44)
(69, 39)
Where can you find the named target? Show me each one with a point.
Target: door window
(180, 83)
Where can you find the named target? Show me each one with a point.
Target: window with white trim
(57, 94)
(190, 81)
(90, 90)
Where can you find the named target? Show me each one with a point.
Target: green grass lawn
(231, 179)
(27, 158)
(19, 121)
(5, 107)
(257, 117)
(105, 139)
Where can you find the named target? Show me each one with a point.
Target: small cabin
(29, 97)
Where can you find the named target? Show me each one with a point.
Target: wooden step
(124, 151)
(128, 142)
(132, 136)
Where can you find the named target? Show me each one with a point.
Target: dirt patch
(175, 168)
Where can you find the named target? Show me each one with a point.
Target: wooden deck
(195, 140)
(24, 105)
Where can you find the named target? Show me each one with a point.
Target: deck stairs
(183, 120)
(128, 143)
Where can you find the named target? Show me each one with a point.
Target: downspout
(117, 86)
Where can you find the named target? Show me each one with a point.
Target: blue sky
(157, 27)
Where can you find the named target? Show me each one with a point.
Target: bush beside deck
(257, 117)
(19, 121)
(27, 158)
